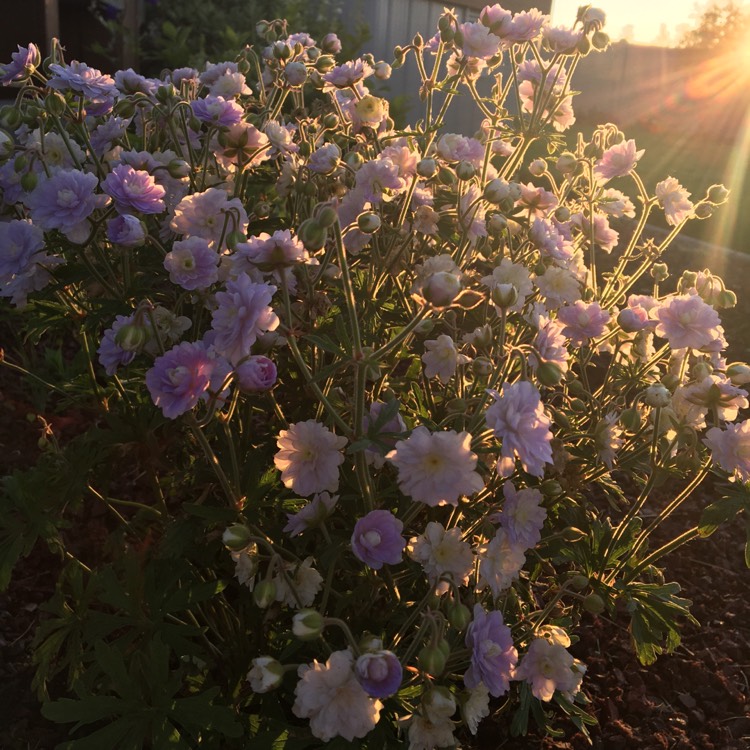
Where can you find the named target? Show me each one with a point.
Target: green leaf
(92, 708)
(718, 513)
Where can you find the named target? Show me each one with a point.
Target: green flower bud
(326, 216)
(308, 624)
(55, 104)
(600, 40)
(504, 295)
(726, 299)
(465, 170)
(458, 614)
(566, 163)
(236, 537)
(572, 534)
(368, 222)
(324, 63)
(578, 582)
(578, 406)
(594, 603)
(29, 181)
(631, 420)
(717, 194)
(432, 660)
(703, 211)
(264, 593)
(551, 488)
(549, 374)
(659, 272)
(482, 367)
(312, 235)
(424, 327)
(446, 176)
(427, 168)
(496, 223)
(738, 373)
(657, 396)
(131, 337)
(331, 121)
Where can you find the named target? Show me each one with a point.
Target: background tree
(720, 24)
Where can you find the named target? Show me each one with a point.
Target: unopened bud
(538, 167)
(717, 194)
(54, 103)
(465, 170)
(295, 73)
(594, 603)
(657, 396)
(600, 40)
(447, 176)
(326, 216)
(659, 272)
(178, 168)
(432, 660)
(29, 181)
(578, 582)
(458, 614)
(441, 288)
(265, 675)
(738, 373)
(504, 295)
(496, 223)
(131, 337)
(307, 624)
(726, 299)
(264, 593)
(549, 374)
(427, 168)
(424, 327)
(630, 419)
(566, 163)
(482, 366)
(312, 235)
(236, 537)
(703, 211)
(382, 70)
(551, 488)
(496, 191)
(368, 222)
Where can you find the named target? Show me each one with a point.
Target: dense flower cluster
(327, 303)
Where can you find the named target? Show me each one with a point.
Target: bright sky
(639, 21)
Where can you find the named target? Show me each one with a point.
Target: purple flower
(130, 82)
(216, 110)
(379, 673)
(181, 377)
(111, 354)
(126, 231)
(377, 539)
(310, 515)
(192, 264)
(22, 64)
(91, 83)
(256, 373)
(583, 321)
(103, 137)
(518, 419)
(64, 202)
(134, 190)
(493, 656)
(242, 314)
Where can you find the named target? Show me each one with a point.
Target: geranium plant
(374, 413)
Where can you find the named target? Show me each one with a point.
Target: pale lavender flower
(730, 449)
(522, 515)
(493, 655)
(242, 314)
(441, 358)
(717, 392)
(134, 190)
(210, 214)
(91, 83)
(517, 417)
(616, 203)
(562, 39)
(454, 147)
(379, 673)
(500, 562)
(331, 44)
(309, 457)
(23, 263)
(256, 374)
(310, 515)
(377, 539)
(442, 552)
(549, 239)
(538, 201)
(192, 264)
(230, 85)
(436, 468)
(214, 71)
(549, 345)
(478, 41)
(216, 110)
(604, 235)
(547, 667)
(583, 321)
(11, 189)
(129, 82)
(346, 75)
(181, 377)
(272, 251)
(675, 201)
(111, 354)
(183, 74)
(376, 177)
(281, 138)
(496, 18)
(22, 65)
(104, 135)
(64, 202)
(687, 322)
(617, 161)
(525, 26)
(324, 159)
(126, 231)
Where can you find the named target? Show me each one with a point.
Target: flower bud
(262, 209)
(496, 191)
(312, 235)
(354, 159)
(496, 223)
(572, 534)
(701, 370)
(456, 406)
(29, 181)
(549, 374)
(432, 660)
(446, 176)
(566, 163)
(424, 327)
(632, 320)
(236, 537)
(331, 121)
(576, 387)
(324, 63)
(131, 337)
(551, 488)
(717, 194)
(331, 44)
(307, 624)
(703, 211)
(630, 419)
(458, 614)
(594, 603)
(265, 675)
(577, 405)
(295, 73)
(427, 168)
(465, 170)
(441, 288)
(504, 295)
(326, 216)
(382, 70)
(726, 299)
(659, 272)
(482, 367)
(368, 222)
(438, 704)
(578, 582)
(738, 373)
(54, 103)
(264, 593)
(657, 396)
(600, 40)
(538, 167)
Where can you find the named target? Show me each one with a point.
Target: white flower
(424, 735)
(436, 468)
(509, 272)
(675, 201)
(500, 562)
(476, 706)
(442, 358)
(441, 553)
(547, 667)
(330, 696)
(309, 457)
(246, 565)
(266, 674)
(306, 582)
(559, 286)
